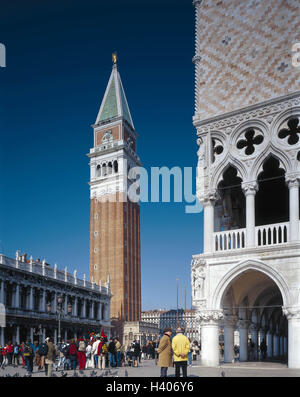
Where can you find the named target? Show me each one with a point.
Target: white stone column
(66, 304)
(54, 305)
(31, 334)
(43, 301)
(208, 205)
(250, 189)
(293, 317)
(84, 308)
(66, 335)
(254, 338)
(75, 309)
(92, 310)
(55, 336)
(98, 311)
(17, 297)
(229, 325)
(2, 292)
(243, 326)
(281, 347)
(275, 345)
(285, 346)
(31, 298)
(2, 337)
(293, 184)
(269, 345)
(44, 335)
(210, 337)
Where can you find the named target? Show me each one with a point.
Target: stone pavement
(148, 369)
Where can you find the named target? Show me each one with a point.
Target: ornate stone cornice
(266, 109)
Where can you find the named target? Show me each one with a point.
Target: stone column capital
(250, 188)
(209, 198)
(254, 328)
(292, 180)
(229, 321)
(243, 324)
(292, 313)
(206, 317)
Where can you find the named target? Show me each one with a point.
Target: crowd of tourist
(94, 351)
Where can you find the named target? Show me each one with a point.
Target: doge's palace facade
(247, 117)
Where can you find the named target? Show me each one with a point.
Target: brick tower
(114, 219)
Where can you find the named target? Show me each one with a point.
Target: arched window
(231, 207)
(115, 166)
(272, 198)
(98, 170)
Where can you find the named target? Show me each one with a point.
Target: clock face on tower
(107, 137)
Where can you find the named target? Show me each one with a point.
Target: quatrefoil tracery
(217, 148)
(291, 132)
(249, 142)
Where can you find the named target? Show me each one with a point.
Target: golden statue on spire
(114, 58)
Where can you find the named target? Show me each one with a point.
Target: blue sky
(58, 66)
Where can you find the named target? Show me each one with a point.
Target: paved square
(148, 368)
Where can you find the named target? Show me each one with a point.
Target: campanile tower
(114, 219)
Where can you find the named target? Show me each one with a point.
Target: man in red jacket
(9, 352)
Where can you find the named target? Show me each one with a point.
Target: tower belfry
(114, 219)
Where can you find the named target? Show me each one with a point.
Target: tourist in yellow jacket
(181, 347)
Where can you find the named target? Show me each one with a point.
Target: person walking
(144, 352)
(37, 357)
(181, 347)
(136, 352)
(190, 354)
(43, 350)
(263, 349)
(164, 351)
(102, 353)
(21, 353)
(112, 353)
(73, 354)
(95, 356)
(28, 356)
(16, 354)
(62, 355)
(50, 357)
(89, 358)
(81, 354)
(9, 352)
(118, 352)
